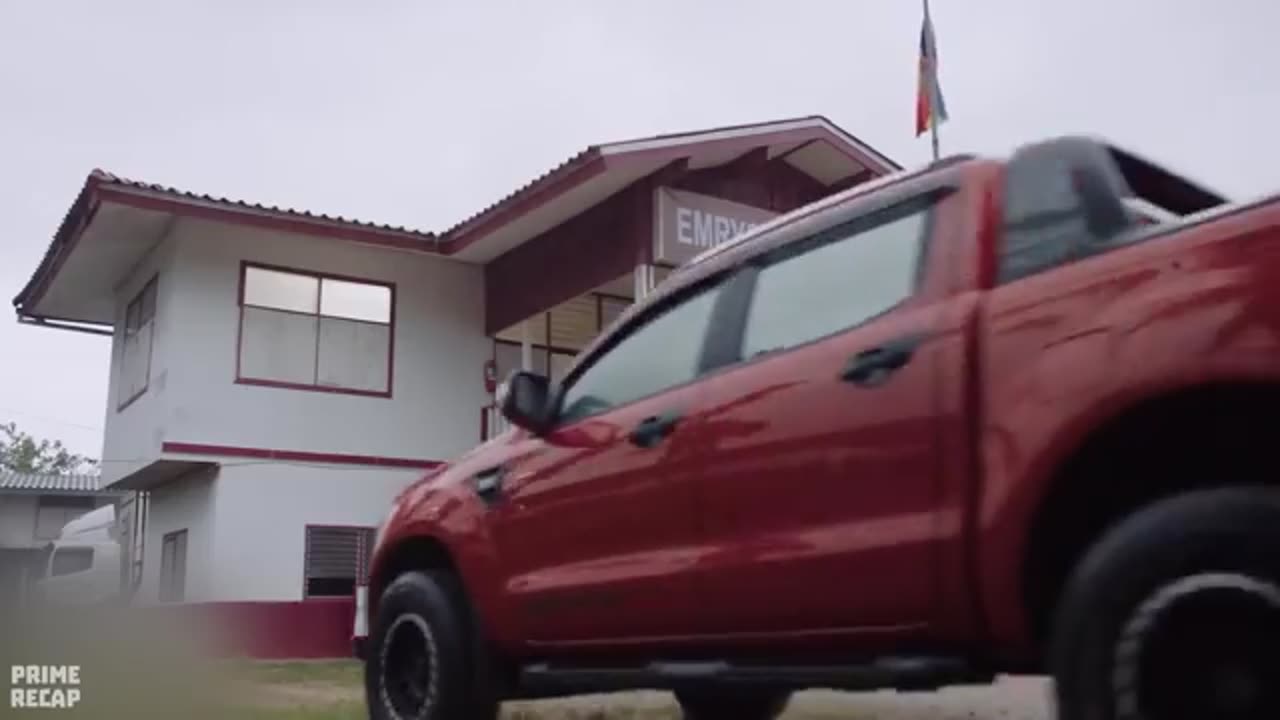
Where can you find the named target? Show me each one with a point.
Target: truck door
(822, 481)
(596, 528)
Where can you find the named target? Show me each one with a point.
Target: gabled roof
(103, 186)
(36, 482)
(303, 217)
(812, 145)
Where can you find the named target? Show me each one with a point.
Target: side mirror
(525, 400)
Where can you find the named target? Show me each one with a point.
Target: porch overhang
(159, 472)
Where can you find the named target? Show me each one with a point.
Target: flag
(931, 109)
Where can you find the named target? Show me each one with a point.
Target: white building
(277, 377)
(33, 510)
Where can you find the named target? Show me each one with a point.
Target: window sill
(131, 400)
(313, 388)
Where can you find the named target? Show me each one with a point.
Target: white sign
(44, 686)
(687, 223)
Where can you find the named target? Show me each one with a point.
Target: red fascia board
(234, 451)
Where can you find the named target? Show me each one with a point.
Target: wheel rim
(409, 668)
(1206, 646)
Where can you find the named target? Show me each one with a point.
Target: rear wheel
(1176, 614)
(732, 704)
(422, 662)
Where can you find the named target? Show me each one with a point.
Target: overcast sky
(420, 112)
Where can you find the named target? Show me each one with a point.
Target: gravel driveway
(1008, 699)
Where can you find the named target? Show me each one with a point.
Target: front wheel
(732, 704)
(420, 664)
(1175, 615)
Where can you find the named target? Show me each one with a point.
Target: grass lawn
(298, 691)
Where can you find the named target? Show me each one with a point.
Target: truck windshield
(69, 560)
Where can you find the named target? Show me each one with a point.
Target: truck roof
(93, 523)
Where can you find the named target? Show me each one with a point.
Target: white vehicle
(83, 566)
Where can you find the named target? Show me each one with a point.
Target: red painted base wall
(276, 630)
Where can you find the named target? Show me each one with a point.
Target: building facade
(278, 377)
(33, 510)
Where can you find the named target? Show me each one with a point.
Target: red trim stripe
(185, 448)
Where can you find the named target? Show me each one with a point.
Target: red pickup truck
(992, 416)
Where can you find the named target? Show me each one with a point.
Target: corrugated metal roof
(10, 480)
(564, 168)
(112, 179)
(81, 211)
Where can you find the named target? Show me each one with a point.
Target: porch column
(644, 280)
(526, 345)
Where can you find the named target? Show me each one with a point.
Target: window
(173, 567)
(53, 512)
(836, 280)
(610, 309)
(1044, 219)
(557, 336)
(560, 364)
(662, 353)
(69, 560)
(336, 560)
(309, 331)
(139, 334)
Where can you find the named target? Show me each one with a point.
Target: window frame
(165, 590)
(722, 280)
(151, 285)
(365, 538)
(845, 230)
(721, 350)
(728, 347)
(320, 277)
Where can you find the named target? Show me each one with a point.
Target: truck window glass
(839, 279)
(662, 353)
(68, 560)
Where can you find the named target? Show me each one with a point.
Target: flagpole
(933, 82)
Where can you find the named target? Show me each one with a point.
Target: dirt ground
(302, 694)
(1009, 699)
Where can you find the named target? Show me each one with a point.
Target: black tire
(424, 661)
(1175, 614)
(732, 704)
